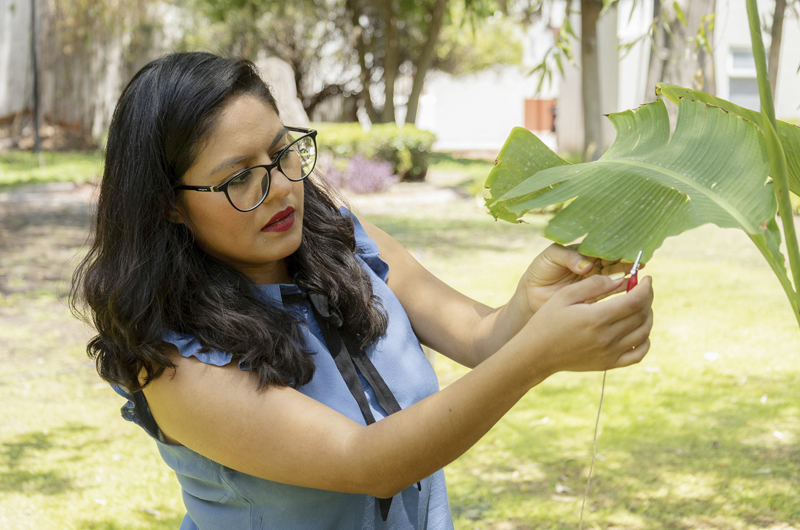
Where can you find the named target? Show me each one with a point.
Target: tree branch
(425, 59)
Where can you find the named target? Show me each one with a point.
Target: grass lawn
(703, 434)
(22, 167)
(471, 172)
(685, 442)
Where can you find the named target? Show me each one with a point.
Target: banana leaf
(788, 134)
(647, 186)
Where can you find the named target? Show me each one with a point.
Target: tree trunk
(425, 59)
(675, 60)
(390, 60)
(658, 53)
(590, 80)
(709, 68)
(775, 46)
(327, 91)
(361, 50)
(37, 140)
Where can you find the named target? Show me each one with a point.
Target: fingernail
(582, 264)
(616, 276)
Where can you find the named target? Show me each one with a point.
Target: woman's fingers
(620, 307)
(568, 258)
(621, 289)
(624, 268)
(618, 331)
(633, 355)
(589, 289)
(633, 330)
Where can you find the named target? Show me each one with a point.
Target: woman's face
(247, 133)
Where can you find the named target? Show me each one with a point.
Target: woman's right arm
(282, 435)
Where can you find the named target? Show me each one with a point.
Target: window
(742, 79)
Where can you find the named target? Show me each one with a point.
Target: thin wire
(594, 447)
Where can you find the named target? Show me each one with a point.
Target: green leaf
(647, 186)
(560, 65)
(769, 243)
(568, 28)
(522, 156)
(607, 5)
(679, 13)
(710, 20)
(788, 134)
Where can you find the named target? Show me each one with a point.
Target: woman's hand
(558, 267)
(580, 336)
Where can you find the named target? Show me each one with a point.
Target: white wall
(631, 25)
(732, 33)
(475, 112)
(16, 74)
(569, 120)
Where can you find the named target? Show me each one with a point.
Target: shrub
(406, 148)
(360, 174)
(368, 176)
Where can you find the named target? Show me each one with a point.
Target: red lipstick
(281, 221)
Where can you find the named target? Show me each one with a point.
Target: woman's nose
(279, 186)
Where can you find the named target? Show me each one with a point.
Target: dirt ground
(43, 235)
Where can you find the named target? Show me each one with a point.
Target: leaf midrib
(716, 198)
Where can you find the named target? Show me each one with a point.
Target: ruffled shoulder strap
(366, 248)
(189, 346)
(136, 408)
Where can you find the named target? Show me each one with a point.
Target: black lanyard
(349, 357)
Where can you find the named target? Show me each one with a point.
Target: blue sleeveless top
(218, 497)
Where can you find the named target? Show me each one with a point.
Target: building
(475, 113)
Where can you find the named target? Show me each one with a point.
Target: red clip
(634, 279)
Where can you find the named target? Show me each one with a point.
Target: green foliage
(19, 168)
(649, 186)
(706, 447)
(292, 31)
(407, 148)
(646, 187)
(312, 35)
(561, 52)
(464, 49)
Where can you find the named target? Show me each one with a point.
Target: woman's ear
(174, 214)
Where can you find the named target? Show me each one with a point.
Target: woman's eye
(240, 179)
(280, 152)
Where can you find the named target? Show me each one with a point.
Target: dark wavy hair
(144, 274)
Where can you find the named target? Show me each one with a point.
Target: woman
(211, 246)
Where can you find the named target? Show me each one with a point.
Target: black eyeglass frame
(269, 167)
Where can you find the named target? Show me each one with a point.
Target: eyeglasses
(248, 188)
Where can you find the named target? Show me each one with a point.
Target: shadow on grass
(42, 238)
(447, 158)
(670, 470)
(147, 521)
(457, 234)
(20, 459)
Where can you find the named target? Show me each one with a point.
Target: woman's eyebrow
(238, 159)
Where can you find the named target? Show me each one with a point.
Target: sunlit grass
(23, 167)
(688, 439)
(704, 432)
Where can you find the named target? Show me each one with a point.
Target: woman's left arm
(464, 329)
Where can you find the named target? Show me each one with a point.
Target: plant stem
(777, 157)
